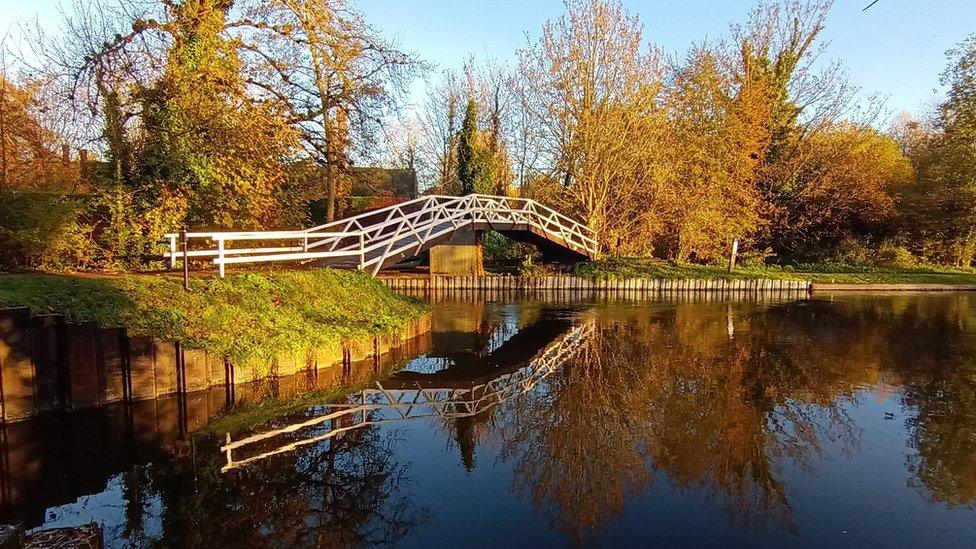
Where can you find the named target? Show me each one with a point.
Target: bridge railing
(370, 239)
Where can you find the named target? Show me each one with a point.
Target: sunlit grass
(243, 316)
(631, 267)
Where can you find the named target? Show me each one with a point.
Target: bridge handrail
(448, 201)
(539, 205)
(387, 209)
(528, 210)
(262, 235)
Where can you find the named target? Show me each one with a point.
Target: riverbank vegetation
(246, 316)
(840, 273)
(137, 118)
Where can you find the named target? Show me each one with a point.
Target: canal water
(845, 420)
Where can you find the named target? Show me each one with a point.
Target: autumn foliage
(227, 115)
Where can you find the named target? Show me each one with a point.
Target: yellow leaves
(854, 172)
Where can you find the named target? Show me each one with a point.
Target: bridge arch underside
(458, 250)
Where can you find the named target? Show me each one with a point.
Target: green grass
(244, 316)
(629, 267)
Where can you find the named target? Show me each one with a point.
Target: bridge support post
(461, 255)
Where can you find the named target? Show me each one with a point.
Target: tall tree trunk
(4, 162)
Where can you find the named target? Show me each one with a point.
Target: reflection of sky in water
(428, 364)
(107, 508)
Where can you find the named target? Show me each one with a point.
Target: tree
(33, 153)
(185, 140)
(856, 173)
(24, 143)
(481, 159)
(204, 136)
(490, 134)
(939, 208)
(718, 137)
(467, 148)
(591, 89)
(954, 168)
(779, 47)
(332, 74)
(439, 124)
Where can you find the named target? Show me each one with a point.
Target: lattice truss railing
(385, 405)
(371, 239)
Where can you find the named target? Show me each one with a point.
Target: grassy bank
(625, 267)
(244, 316)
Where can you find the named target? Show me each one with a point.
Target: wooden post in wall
(733, 253)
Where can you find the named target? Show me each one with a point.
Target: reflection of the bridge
(411, 396)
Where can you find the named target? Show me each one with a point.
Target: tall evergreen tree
(467, 144)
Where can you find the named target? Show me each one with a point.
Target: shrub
(888, 254)
(754, 258)
(894, 256)
(852, 252)
(503, 255)
(45, 231)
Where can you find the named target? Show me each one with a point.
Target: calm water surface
(829, 422)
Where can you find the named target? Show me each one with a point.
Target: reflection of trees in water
(944, 436)
(675, 393)
(932, 347)
(466, 432)
(667, 391)
(345, 492)
(577, 443)
(928, 343)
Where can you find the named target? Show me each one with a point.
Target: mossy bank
(244, 317)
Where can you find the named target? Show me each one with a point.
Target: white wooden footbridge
(380, 238)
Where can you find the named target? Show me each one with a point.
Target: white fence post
(220, 256)
(172, 251)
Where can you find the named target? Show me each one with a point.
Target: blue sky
(896, 48)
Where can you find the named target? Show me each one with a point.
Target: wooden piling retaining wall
(642, 287)
(48, 363)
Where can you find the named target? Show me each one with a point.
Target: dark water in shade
(844, 422)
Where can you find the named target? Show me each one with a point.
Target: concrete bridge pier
(461, 255)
